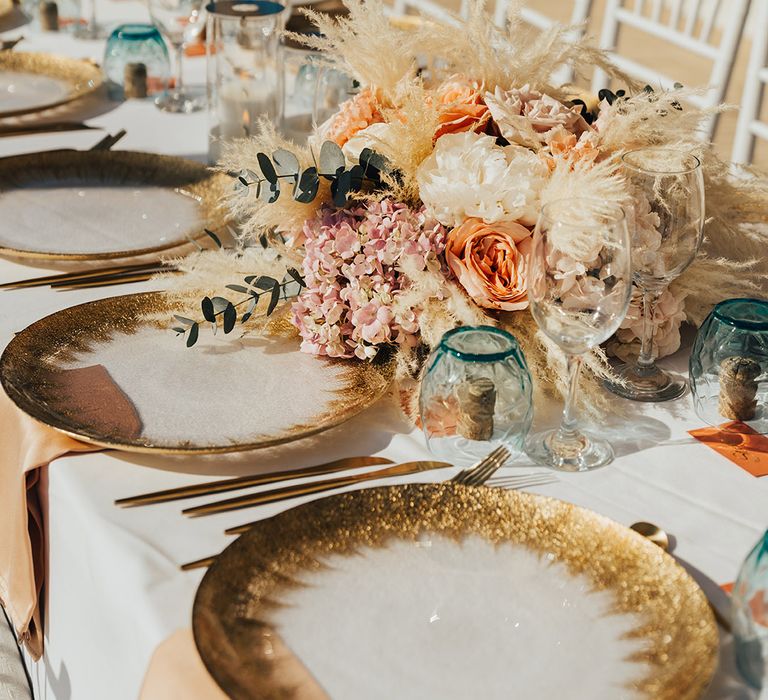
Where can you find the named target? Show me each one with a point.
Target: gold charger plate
(78, 170)
(112, 373)
(82, 77)
(308, 600)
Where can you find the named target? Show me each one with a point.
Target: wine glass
(180, 22)
(667, 222)
(579, 286)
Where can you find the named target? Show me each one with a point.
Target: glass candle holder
(300, 73)
(729, 366)
(333, 88)
(749, 613)
(475, 395)
(136, 43)
(244, 77)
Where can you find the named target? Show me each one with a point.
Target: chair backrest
(427, 8)
(689, 25)
(539, 20)
(749, 126)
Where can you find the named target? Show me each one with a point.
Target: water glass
(729, 366)
(667, 223)
(749, 613)
(180, 23)
(476, 394)
(579, 286)
(245, 80)
(300, 73)
(333, 88)
(136, 43)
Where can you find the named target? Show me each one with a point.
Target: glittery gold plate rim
(27, 368)
(243, 586)
(188, 177)
(84, 77)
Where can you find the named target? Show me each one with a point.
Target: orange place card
(728, 587)
(739, 443)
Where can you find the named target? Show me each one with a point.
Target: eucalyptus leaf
(214, 237)
(286, 163)
(274, 299)
(306, 188)
(357, 175)
(331, 159)
(179, 330)
(296, 276)
(264, 240)
(220, 303)
(249, 311)
(340, 188)
(230, 317)
(208, 313)
(194, 332)
(238, 288)
(265, 283)
(267, 169)
(184, 320)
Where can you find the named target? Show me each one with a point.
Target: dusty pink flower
(354, 115)
(460, 107)
(667, 317)
(352, 268)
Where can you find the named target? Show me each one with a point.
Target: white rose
(468, 175)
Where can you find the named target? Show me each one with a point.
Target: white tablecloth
(115, 590)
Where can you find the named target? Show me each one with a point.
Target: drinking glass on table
(179, 21)
(668, 219)
(579, 287)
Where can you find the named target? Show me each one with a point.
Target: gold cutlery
(9, 44)
(51, 127)
(287, 492)
(93, 277)
(473, 476)
(241, 482)
(108, 141)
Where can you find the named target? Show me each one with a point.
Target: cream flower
(370, 137)
(468, 175)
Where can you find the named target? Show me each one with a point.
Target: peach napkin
(26, 445)
(740, 444)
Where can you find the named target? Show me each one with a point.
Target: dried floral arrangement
(411, 210)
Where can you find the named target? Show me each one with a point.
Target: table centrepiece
(54, 204)
(106, 373)
(32, 82)
(411, 209)
(464, 588)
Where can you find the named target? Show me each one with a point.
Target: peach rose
(564, 144)
(354, 115)
(491, 262)
(460, 107)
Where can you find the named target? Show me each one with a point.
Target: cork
(738, 388)
(135, 80)
(476, 399)
(49, 16)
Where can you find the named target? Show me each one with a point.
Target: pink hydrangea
(352, 268)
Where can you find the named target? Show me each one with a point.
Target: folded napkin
(177, 671)
(25, 446)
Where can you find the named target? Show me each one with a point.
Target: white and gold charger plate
(92, 205)
(113, 373)
(445, 591)
(32, 82)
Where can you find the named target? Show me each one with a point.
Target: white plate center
(439, 619)
(71, 217)
(20, 90)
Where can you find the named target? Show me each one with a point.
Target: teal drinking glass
(749, 613)
(136, 43)
(728, 367)
(476, 394)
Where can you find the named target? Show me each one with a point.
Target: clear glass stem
(178, 88)
(92, 27)
(567, 433)
(645, 358)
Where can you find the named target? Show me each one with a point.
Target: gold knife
(287, 492)
(242, 482)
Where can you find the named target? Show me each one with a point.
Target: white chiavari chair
(688, 24)
(541, 21)
(428, 8)
(749, 126)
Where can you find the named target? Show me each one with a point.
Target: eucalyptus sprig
(284, 166)
(220, 308)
